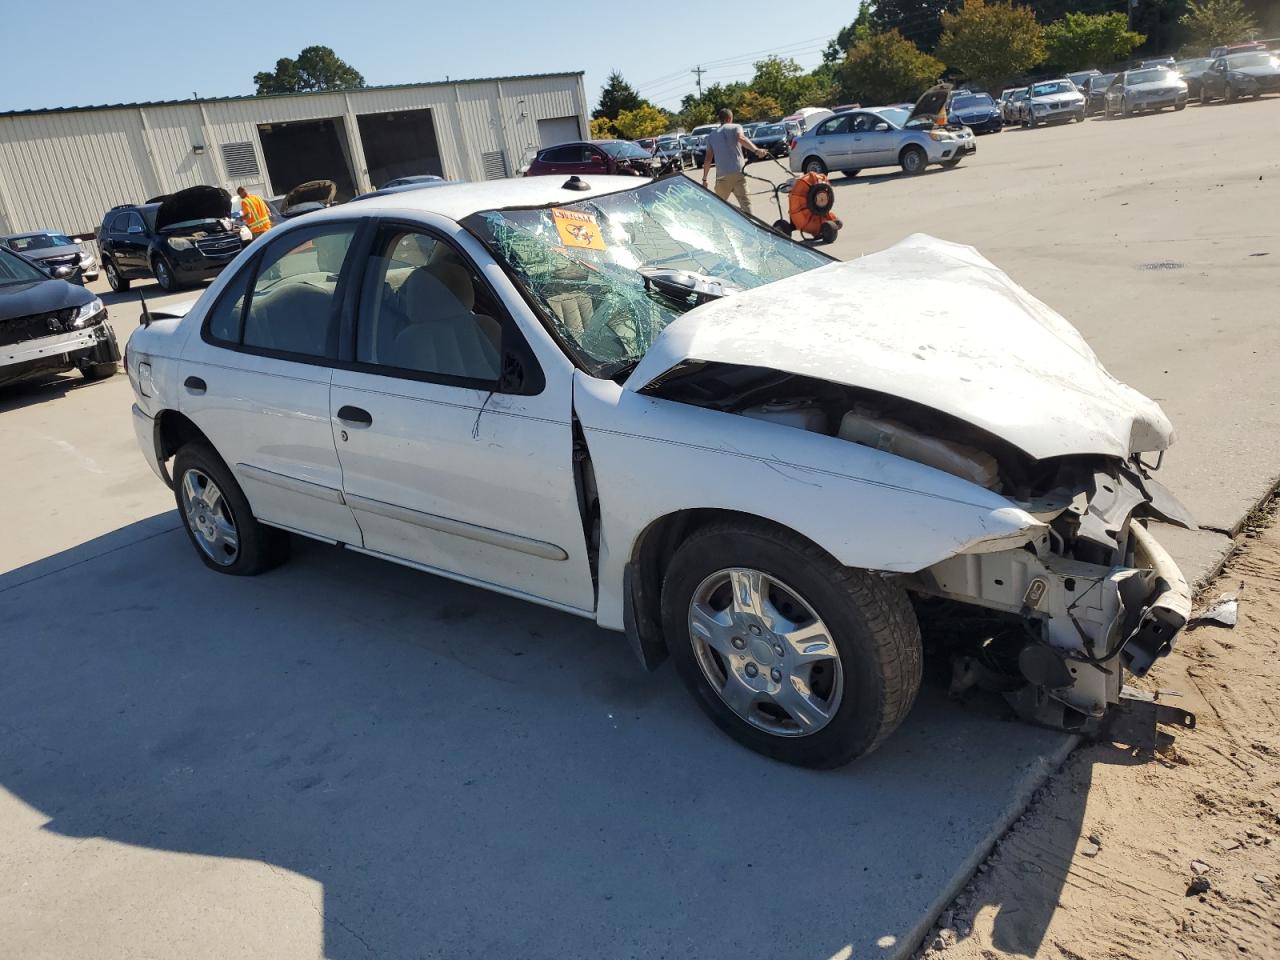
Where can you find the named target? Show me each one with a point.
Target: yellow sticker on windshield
(578, 229)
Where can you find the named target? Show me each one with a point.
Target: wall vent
(240, 160)
(495, 165)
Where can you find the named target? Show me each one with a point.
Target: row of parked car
(1246, 70)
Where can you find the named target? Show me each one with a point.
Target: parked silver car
(1053, 101)
(1148, 89)
(1011, 104)
(50, 248)
(884, 137)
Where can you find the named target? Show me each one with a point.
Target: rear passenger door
(256, 379)
(449, 462)
(835, 142)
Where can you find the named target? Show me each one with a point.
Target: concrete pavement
(346, 759)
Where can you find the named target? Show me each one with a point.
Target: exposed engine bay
(1066, 608)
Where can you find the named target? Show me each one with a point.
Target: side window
(423, 310)
(293, 306)
(226, 316)
(835, 125)
(131, 220)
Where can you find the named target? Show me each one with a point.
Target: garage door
(558, 130)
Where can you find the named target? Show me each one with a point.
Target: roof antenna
(145, 319)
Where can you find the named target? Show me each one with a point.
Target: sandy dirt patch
(1124, 855)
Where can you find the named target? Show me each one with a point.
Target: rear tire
(828, 233)
(850, 173)
(257, 547)
(783, 227)
(869, 650)
(913, 159)
(815, 165)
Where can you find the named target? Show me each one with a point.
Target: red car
(592, 156)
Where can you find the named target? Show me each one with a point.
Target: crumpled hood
(935, 323)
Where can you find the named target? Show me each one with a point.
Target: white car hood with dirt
(935, 323)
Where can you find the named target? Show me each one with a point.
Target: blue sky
(72, 52)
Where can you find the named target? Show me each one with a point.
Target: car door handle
(195, 385)
(355, 416)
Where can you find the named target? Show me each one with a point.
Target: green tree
(1082, 40)
(860, 29)
(886, 68)
(753, 106)
(785, 82)
(990, 43)
(1212, 23)
(645, 120)
(920, 21)
(317, 68)
(615, 96)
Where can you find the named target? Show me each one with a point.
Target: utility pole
(699, 71)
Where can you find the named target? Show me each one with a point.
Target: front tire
(783, 227)
(164, 275)
(850, 173)
(913, 160)
(218, 519)
(815, 165)
(117, 283)
(790, 653)
(98, 371)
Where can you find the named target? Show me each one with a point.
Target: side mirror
(63, 272)
(134, 228)
(881, 126)
(597, 160)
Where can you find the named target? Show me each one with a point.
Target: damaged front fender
(869, 509)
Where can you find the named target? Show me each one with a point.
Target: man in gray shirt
(724, 148)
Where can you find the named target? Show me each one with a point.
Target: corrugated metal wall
(63, 170)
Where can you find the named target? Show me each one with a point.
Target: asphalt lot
(347, 759)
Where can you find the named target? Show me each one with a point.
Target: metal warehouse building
(61, 169)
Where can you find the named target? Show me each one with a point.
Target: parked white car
(1053, 101)
(637, 405)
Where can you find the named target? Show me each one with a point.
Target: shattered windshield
(580, 262)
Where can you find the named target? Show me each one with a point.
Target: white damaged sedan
(637, 405)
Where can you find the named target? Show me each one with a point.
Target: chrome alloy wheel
(210, 521)
(766, 652)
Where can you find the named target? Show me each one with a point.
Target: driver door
(874, 141)
(450, 462)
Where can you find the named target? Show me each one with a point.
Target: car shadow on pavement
(18, 395)
(464, 773)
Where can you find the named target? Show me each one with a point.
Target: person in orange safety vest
(254, 211)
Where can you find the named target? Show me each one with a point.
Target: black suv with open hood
(178, 239)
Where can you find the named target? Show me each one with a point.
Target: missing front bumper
(1085, 624)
